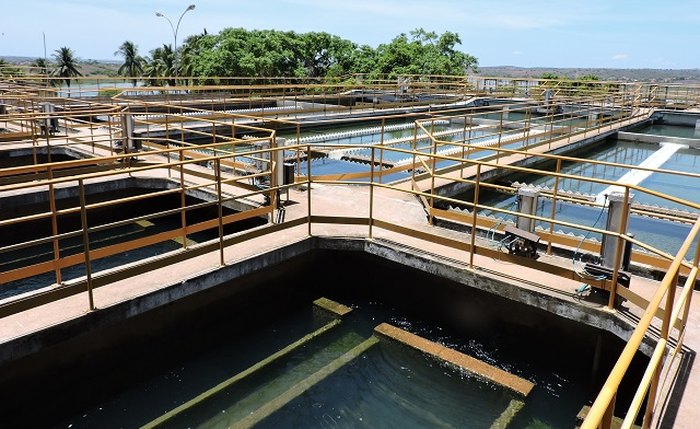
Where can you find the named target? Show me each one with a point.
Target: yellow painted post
(686, 310)
(308, 186)
(464, 148)
(91, 124)
(54, 226)
(86, 244)
(272, 165)
(167, 140)
(554, 207)
(48, 140)
(371, 193)
(651, 398)
(217, 165)
(413, 169)
(472, 238)
(500, 134)
(606, 423)
(571, 125)
(528, 124)
(381, 151)
(298, 151)
(32, 127)
(183, 199)
(471, 128)
(551, 128)
(433, 164)
(588, 117)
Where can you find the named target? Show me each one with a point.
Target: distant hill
(646, 75)
(87, 67)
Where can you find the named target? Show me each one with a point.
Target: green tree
(133, 62)
(161, 65)
(271, 53)
(423, 53)
(323, 54)
(66, 66)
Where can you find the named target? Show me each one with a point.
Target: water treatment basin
(132, 373)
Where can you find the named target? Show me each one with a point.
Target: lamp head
(191, 7)
(158, 14)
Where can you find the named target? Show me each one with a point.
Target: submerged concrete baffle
(527, 204)
(616, 209)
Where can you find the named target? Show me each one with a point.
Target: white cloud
(517, 52)
(618, 57)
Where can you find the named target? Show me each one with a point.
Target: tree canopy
(267, 53)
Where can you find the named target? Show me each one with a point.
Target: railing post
(528, 123)
(472, 238)
(183, 199)
(500, 134)
(54, 227)
(217, 165)
(606, 422)
(554, 207)
(666, 326)
(433, 164)
(276, 169)
(686, 310)
(167, 141)
(32, 126)
(381, 152)
(551, 128)
(571, 125)
(413, 169)
(371, 192)
(651, 398)
(588, 117)
(308, 186)
(464, 142)
(86, 244)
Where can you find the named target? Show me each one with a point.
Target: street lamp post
(175, 29)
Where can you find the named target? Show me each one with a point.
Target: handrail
(607, 392)
(183, 170)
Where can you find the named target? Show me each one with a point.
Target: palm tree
(66, 65)
(133, 62)
(162, 64)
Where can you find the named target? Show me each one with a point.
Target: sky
(525, 33)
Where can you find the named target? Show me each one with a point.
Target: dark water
(7, 161)
(130, 374)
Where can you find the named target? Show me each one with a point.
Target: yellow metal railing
(223, 169)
